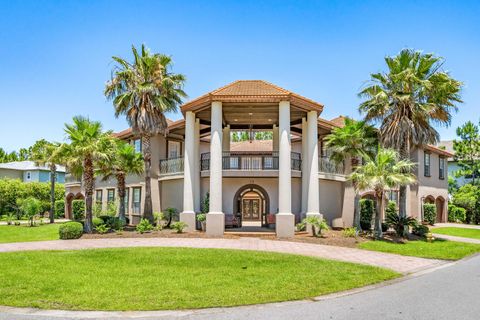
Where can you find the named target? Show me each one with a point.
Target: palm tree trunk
(121, 196)
(356, 202)
(147, 158)
(53, 175)
(88, 177)
(402, 197)
(378, 214)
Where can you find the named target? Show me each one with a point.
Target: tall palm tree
(143, 91)
(88, 146)
(122, 161)
(407, 100)
(354, 140)
(384, 172)
(47, 153)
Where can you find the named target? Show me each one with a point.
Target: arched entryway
(69, 198)
(251, 204)
(440, 204)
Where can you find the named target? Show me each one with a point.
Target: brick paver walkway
(402, 264)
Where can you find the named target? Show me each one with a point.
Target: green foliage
(31, 207)
(144, 226)
(102, 228)
(367, 211)
(452, 185)
(59, 209)
(70, 230)
(179, 226)
(399, 224)
(391, 207)
(350, 232)
(420, 229)
(206, 203)
(97, 221)
(467, 151)
(316, 223)
(158, 218)
(171, 214)
(13, 189)
(201, 217)
(78, 209)
(114, 223)
(456, 214)
(468, 197)
(429, 213)
(300, 226)
(10, 217)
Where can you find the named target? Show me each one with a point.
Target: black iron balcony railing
(171, 166)
(250, 161)
(327, 165)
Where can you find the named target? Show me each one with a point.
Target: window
(127, 193)
(426, 164)
(441, 168)
(137, 144)
(98, 196)
(110, 195)
(136, 200)
(173, 149)
(28, 176)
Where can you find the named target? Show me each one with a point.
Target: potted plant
(202, 218)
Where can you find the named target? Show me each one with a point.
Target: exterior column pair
(285, 220)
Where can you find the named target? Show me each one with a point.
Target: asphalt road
(452, 292)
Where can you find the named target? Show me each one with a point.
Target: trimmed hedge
(456, 214)
(59, 209)
(429, 213)
(78, 209)
(97, 221)
(367, 211)
(70, 230)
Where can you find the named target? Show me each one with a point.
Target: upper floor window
(441, 168)
(426, 164)
(136, 199)
(98, 196)
(110, 195)
(28, 176)
(137, 144)
(174, 149)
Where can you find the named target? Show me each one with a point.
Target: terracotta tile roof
(440, 151)
(251, 91)
(254, 145)
(339, 121)
(128, 132)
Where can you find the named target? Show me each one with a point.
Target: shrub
(112, 222)
(171, 214)
(201, 217)
(158, 217)
(78, 209)
(103, 228)
(367, 211)
(456, 214)
(385, 226)
(179, 226)
(144, 226)
(9, 217)
(300, 226)
(420, 229)
(350, 232)
(70, 230)
(391, 207)
(317, 224)
(400, 224)
(206, 203)
(429, 213)
(59, 209)
(45, 207)
(31, 207)
(97, 221)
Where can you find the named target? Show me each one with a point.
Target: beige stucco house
(266, 183)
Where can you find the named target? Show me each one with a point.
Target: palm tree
(122, 161)
(384, 172)
(143, 91)
(88, 146)
(407, 100)
(47, 153)
(355, 140)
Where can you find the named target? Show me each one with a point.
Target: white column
(275, 138)
(285, 220)
(196, 188)
(226, 139)
(215, 217)
(188, 215)
(305, 173)
(313, 203)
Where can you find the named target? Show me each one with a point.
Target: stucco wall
(172, 194)
(331, 199)
(11, 174)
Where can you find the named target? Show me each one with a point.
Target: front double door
(251, 210)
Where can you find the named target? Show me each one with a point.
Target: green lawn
(439, 249)
(458, 232)
(170, 278)
(25, 233)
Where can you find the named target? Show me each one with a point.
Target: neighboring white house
(28, 171)
(452, 163)
(268, 183)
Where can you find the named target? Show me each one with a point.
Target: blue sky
(55, 56)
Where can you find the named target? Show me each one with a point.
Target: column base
(189, 218)
(309, 226)
(285, 225)
(215, 224)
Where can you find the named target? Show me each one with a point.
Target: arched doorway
(440, 204)
(69, 198)
(251, 204)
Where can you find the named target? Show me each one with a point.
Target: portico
(250, 105)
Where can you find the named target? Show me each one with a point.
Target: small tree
(429, 213)
(31, 207)
(467, 151)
